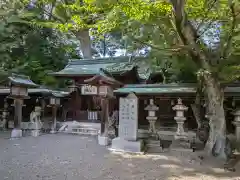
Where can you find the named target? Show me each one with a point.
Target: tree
(28, 49)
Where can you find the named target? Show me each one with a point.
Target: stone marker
(128, 126)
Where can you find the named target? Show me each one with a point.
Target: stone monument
(128, 126)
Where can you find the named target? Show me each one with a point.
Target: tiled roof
(42, 91)
(113, 65)
(156, 89)
(21, 80)
(170, 89)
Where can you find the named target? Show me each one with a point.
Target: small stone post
(236, 122)
(180, 108)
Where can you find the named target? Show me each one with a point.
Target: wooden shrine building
(126, 75)
(84, 105)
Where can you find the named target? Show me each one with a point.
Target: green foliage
(134, 25)
(37, 51)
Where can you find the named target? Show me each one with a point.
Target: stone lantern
(236, 122)
(152, 108)
(180, 108)
(54, 102)
(19, 85)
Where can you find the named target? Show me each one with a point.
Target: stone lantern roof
(151, 106)
(179, 106)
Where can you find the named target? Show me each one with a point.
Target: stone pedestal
(53, 131)
(153, 146)
(103, 140)
(120, 144)
(152, 129)
(10, 124)
(16, 133)
(35, 125)
(36, 129)
(181, 145)
(35, 133)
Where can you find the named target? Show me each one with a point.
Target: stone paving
(73, 157)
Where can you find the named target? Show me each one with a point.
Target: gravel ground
(69, 157)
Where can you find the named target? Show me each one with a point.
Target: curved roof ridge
(99, 60)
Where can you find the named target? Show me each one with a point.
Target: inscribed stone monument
(128, 117)
(128, 126)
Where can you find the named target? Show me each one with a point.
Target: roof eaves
(21, 80)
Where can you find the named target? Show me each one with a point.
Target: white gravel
(69, 157)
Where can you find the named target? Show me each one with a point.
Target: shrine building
(99, 83)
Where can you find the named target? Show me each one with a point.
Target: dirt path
(68, 157)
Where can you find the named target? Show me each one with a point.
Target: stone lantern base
(35, 133)
(122, 145)
(181, 145)
(53, 132)
(16, 133)
(103, 140)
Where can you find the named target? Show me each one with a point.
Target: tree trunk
(188, 34)
(84, 38)
(197, 113)
(217, 135)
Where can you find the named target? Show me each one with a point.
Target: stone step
(85, 131)
(181, 145)
(154, 150)
(153, 146)
(153, 142)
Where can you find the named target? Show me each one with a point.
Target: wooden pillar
(18, 103)
(54, 109)
(74, 105)
(104, 115)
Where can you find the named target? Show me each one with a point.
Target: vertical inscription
(128, 117)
